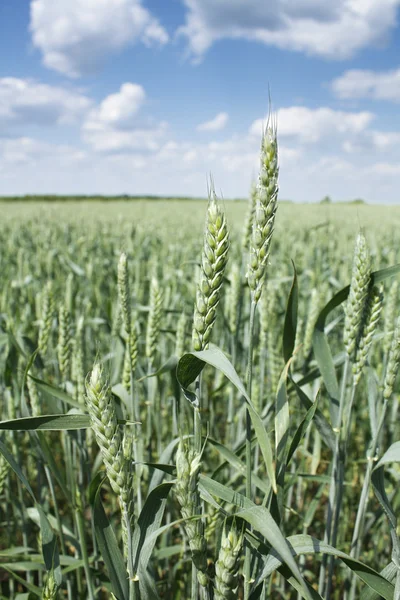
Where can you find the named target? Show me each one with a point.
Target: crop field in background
(254, 458)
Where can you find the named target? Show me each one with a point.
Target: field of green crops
(179, 425)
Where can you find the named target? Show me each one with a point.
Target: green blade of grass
(108, 545)
(290, 324)
(54, 391)
(48, 541)
(261, 520)
(149, 520)
(305, 544)
(191, 365)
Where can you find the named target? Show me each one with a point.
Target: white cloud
(119, 109)
(111, 140)
(368, 84)
(183, 168)
(23, 151)
(28, 102)
(318, 27)
(387, 168)
(76, 36)
(215, 124)
(384, 140)
(113, 126)
(311, 125)
(128, 152)
(371, 142)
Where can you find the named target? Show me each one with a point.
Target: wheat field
(194, 403)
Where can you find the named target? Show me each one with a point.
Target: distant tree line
(328, 200)
(90, 198)
(130, 198)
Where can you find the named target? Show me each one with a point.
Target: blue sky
(153, 96)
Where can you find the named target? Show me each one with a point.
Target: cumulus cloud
(183, 168)
(28, 102)
(311, 125)
(119, 109)
(391, 169)
(76, 36)
(215, 124)
(24, 151)
(122, 148)
(114, 126)
(318, 27)
(384, 140)
(358, 83)
(372, 142)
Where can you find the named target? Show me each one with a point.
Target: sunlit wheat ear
(227, 565)
(4, 469)
(133, 343)
(235, 291)
(123, 292)
(391, 309)
(393, 363)
(187, 472)
(128, 319)
(126, 371)
(265, 211)
(128, 506)
(46, 317)
(356, 303)
(113, 446)
(213, 263)
(78, 362)
(154, 319)
(64, 342)
(130, 356)
(370, 322)
(108, 433)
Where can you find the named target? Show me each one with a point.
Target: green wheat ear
(188, 463)
(50, 588)
(393, 363)
(357, 300)
(64, 341)
(371, 318)
(103, 418)
(154, 319)
(213, 263)
(227, 565)
(265, 210)
(46, 317)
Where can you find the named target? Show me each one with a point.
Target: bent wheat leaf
(191, 365)
(306, 544)
(108, 544)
